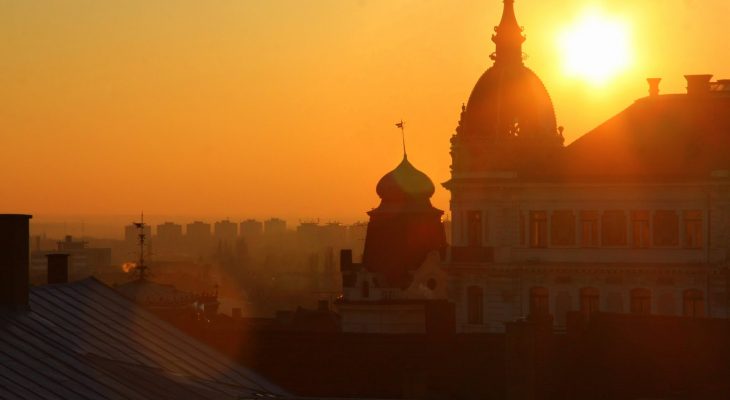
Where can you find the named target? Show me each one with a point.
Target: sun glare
(596, 47)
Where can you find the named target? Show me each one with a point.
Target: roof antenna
(401, 125)
(141, 267)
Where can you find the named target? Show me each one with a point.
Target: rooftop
(83, 340)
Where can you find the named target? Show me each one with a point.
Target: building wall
(383, 318)
(518, 264)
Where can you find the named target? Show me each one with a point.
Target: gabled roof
(668, 137)
(83, 340)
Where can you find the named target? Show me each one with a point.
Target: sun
(596, 47)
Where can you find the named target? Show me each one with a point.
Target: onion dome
(404, 228)
(405, 182)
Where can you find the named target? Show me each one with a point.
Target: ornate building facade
(632, 217)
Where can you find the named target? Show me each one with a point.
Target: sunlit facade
(633, 217)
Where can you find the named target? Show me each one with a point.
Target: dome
(405, 182)
(509, 99)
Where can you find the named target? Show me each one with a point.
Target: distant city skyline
(112, 226)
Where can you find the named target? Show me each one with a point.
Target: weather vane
(401, 126)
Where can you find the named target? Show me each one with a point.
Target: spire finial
(401, 125)
(508, 37)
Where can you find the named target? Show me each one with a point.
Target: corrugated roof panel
(84, 341)
(188, 346)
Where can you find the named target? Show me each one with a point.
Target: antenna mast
(141, 268)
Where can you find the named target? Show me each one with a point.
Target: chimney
(698, 85)
(14, 260)
(345, 259)
(57, 268)
(653, 86)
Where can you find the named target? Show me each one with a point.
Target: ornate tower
(507, 133)
(404, 228)
(508, 123)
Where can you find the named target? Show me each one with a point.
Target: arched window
(694, 303)
(475, 305)
(365, 288)
(640, 301)
(589, 300)
(539, 301)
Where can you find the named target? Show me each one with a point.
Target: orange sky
(282, 108)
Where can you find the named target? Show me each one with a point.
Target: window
(562, 228)
(694, 303)
(538, 229)
(640, 234)
(589, 301)
(666, 228)
(474, 228)
(613, 228)
(640, 301)
(589, 228)
(475, 305)
(693, 229)
(539, 301)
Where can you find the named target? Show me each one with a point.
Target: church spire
(508, 37)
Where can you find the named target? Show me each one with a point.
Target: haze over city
(391, 199)
(283, 108)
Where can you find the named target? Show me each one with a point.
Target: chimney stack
(14, 260)
(57, 268)
(698, 85)
(654, 86)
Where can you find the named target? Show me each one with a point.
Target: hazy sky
(273, 107)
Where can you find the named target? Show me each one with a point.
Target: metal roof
(83, 340)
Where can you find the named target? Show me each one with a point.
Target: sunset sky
(285, 108)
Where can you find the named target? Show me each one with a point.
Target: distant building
(131, 234)
(169, 232)
(169, 235)
(274, 226)
(309, 235)
(334, 234)
(199, 238)
(356, 238)
(251, 228)
(225, 232)
(198, 231)
(83, 260)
